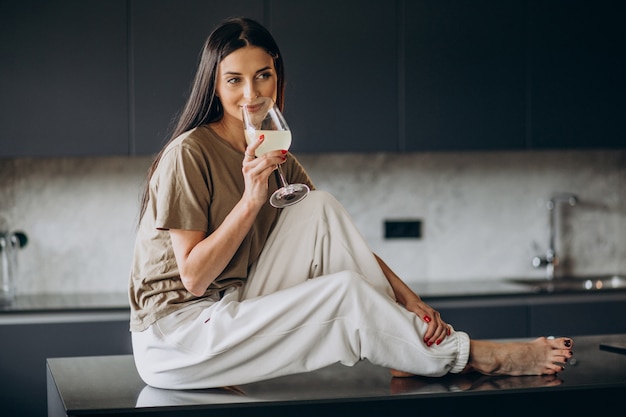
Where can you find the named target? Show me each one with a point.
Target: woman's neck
(231, 130)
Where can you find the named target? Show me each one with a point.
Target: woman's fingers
(437, 329)
(252, 147)
(436, 332)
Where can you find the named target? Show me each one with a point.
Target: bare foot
(542, 356)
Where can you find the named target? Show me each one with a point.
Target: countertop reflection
(101, 383)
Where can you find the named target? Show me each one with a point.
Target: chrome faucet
(551, 259)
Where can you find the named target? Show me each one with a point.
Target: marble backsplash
(483, 214)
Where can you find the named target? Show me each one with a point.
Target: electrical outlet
(411, 229)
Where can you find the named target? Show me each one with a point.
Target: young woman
(226, 289)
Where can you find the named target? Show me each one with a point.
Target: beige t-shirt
(196, 185)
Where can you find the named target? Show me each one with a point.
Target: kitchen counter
(118, 301)
(59, 303)
(65, 308)
(56, 303)
(110, 385)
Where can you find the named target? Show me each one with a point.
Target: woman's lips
(252, 108)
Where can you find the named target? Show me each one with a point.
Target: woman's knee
(346, 281)
(320, 197)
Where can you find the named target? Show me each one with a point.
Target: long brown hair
(203, 106)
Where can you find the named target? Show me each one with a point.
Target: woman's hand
(256, 171)
(437, 328)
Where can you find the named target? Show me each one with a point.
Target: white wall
(483, 214)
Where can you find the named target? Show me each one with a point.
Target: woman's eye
(232, 80)
(264, 75)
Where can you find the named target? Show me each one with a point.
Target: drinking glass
(263, 118)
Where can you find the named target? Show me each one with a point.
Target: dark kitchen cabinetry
(63, 78)
(342, 73)
(464, 75)
(578, 315)
(577, 62)
(167, 38)
(494, 318)
(504, 317)
(26, 346)
(107, 77)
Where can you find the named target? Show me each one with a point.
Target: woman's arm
(437, 328)
(201, 258)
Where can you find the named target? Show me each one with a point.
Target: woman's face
(242, 76)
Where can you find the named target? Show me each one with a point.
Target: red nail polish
(425, 340)
(427, 319)
(283, 151)
(261, 137)
(439, 341)
(429, 344)
(448, 331)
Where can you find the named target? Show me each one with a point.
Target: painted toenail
(567, 343)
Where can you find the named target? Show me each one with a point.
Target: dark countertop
(50, 303)
(118, 301)
(111, 386)
(65, 308)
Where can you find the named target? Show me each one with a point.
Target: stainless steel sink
(574, 284)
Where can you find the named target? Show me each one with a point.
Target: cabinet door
(576, 317)
(465, 75)
(577, 62)
(486, 321)
(341, 73)
(63, 78)
(25, 348)
(167, 39)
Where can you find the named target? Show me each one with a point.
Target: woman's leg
(329, 319)
(313, 238)
(323, 228)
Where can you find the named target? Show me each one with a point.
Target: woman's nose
(250, 92)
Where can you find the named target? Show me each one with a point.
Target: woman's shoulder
(194, 138)
(200, 141)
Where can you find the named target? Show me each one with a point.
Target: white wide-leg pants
(316, 296)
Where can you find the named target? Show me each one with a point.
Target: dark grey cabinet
(341, 64)
(576, 315)
(25, 348)
(577, 62)
(107, 77)
(63, 78)
(465, 75)
(167, 38)
(502, 317)
(486, 318)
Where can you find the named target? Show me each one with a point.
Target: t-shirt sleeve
(182, 190)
